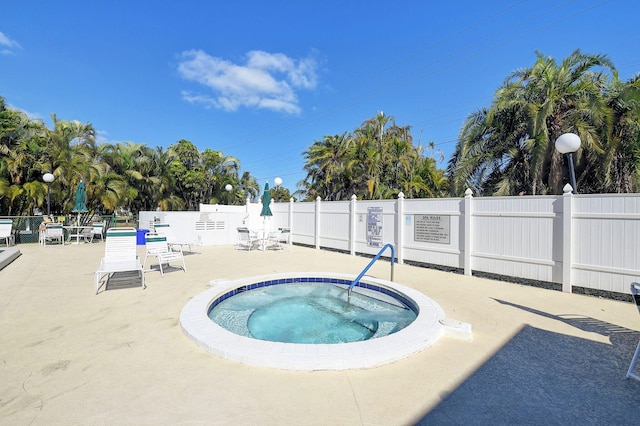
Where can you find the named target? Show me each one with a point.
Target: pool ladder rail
(376, 257)
(450, 326)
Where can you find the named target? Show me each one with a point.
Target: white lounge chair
(119, 255)
(246, 240)
(635, 292)
(6, 228)
(53, 232)
(158, 247)
(172, 240)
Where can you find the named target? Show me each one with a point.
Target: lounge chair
(158, 247)
(635, 292)
(53, 232)
(119, 255)
(246, 240)
(172, 240)
(6, 228)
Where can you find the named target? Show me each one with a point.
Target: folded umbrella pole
(265, 213)
(80, 207)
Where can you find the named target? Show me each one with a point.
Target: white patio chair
(158, 247)
(119, 255)
(172, 240)
(246, 240)
(97, 230)
(76, 234)
(53, 232)
(635, 292)
(278, 238)
(6, 228)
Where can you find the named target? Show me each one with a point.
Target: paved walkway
(70, 357)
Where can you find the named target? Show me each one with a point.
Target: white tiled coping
(420, 334)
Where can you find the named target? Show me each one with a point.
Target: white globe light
(569, 142)
(228, 187)
(277, 181)
(48, 177)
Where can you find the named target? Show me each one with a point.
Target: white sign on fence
(374, 226)
(432, 228)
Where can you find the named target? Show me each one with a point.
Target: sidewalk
(70, 357)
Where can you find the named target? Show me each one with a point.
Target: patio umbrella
(265, 213)
(80, 206)
(80, 194)
(266, 200)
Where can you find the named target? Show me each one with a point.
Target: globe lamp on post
(228, 187)
(48, 178)
(569, 143)
(278, 182)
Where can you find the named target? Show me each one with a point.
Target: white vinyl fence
(588, 241)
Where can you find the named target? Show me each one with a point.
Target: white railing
(588, 241)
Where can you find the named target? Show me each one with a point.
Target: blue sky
(262, 80)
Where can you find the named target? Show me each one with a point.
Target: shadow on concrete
(545, 378)
(122, 280)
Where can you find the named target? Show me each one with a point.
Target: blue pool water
(316, 313)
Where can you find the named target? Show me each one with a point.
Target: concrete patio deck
(70, 357)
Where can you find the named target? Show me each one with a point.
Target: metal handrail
(376, 257)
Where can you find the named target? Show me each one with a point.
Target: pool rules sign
(432, 228)
(374, 226)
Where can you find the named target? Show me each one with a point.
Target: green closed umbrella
(265, 213)
(80, 206)
(266, 200)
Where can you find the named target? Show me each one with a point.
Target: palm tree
(123, 175)
(167, 199)
(68, 163)
(401, 159)
(377, 161)
(533, 107)
(250, 186)
(327, 167)
(620, 166)
(220, 169)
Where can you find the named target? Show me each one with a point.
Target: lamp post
(569, 143)
(228, 187)
(278, 182)
(48, 178)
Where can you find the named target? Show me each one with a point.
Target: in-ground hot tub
(421, 333)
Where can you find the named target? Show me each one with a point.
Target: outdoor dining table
(261, 236)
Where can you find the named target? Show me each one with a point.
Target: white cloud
(8, 46)
(101, 137)
(266, 80)
(30, 115)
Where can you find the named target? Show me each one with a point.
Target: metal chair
(635, 291)
(53, 232)
(172, 239)
(97, 230)
(278, 238)
(158, 247)
(246, 240)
